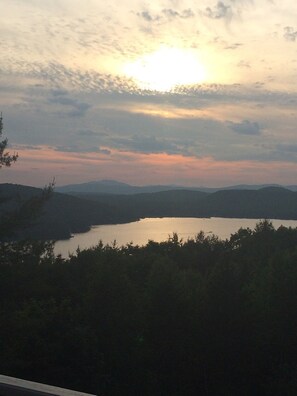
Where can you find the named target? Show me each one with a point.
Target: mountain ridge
(65, 214)
(116, 187)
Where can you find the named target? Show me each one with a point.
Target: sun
(166, 68)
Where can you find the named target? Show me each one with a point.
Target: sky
(194, 93)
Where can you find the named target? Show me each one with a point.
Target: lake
(158, 230)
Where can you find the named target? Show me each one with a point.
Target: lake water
(158, 230)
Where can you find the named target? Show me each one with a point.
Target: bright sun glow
(166, 68)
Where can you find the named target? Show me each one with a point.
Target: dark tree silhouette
(6, 159)
(27, 210)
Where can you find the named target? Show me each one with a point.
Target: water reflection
(158, 229)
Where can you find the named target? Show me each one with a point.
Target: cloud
(82, 149)
(219, 11)
(148, 16)
(167, 14)
(290, 34)
(78, 109)
(58, 75)
(142, 168)
(233, 46)
(119, 89)
(59, 92)
(245, 127)
(150, 144)
(280, 152)
(291, 148)
(171, 13)
(27, 147)
(243, 64)
(89, 133)
(187, 13)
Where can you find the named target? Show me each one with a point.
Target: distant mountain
(115, 187)
(112, 187)
(65, 214)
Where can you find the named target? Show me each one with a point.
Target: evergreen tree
(6, 159)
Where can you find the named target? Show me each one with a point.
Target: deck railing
(10, 386)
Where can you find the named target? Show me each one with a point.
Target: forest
(202, 316)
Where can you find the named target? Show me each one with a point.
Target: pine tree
(6, 159)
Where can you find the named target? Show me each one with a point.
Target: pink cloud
(39, 166)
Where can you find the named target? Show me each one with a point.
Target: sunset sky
(197, 93)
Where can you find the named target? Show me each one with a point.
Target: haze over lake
(158, 230)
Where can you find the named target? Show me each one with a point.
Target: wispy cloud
(233, 46)
(245, 127)
(76, 108)
(184, 14)
(166, 15)
(82, 149)
(63, 85)
(244, 64)
(147, 16)
(72, 166)
(290, 34)
(219, 11)
(151, 144)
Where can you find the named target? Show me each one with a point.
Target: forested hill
(60, 216)
(65, 214)
(270, 202)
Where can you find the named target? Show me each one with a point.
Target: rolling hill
(116, 187)
(63, 214)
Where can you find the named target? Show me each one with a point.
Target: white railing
(10, 386)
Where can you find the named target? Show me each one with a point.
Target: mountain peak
(110, 182)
